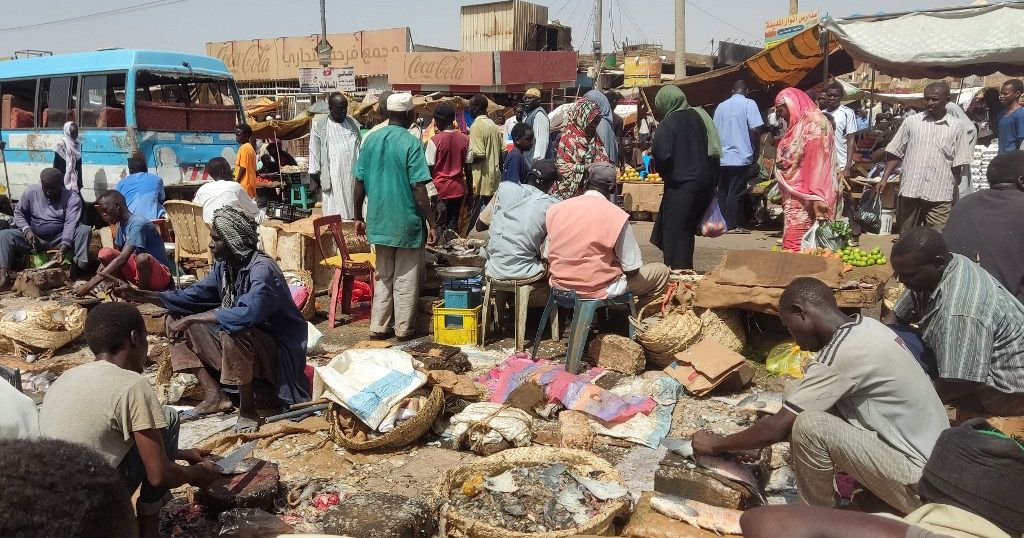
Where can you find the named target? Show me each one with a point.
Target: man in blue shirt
(1011, 122)
(516, 168)
(738, 122)
(139, 258)
(241, 328)
(143, 191)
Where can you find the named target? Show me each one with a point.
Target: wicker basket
(44, 328)
(579, 461)
(404, 434)
(724, 325)
(678, 329)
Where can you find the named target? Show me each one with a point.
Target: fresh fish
(762, 402)
(683, 447)
(602, 490)
(733, 471)
(502, 483)
(698, 514)
(781, 479)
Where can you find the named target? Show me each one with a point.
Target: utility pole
(598, 61)
(794, 7)
(680, 39)
(324, 49)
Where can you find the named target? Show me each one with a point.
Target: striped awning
(790, 61)
(794, 62)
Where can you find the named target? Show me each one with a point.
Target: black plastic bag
(869, 211)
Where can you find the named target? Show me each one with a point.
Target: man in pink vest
(591, 248)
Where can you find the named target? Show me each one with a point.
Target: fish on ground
(698, 514)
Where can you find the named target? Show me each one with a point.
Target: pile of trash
(534, 499)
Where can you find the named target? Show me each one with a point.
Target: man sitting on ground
(47, 216)
(973, 328)
(139, 256)
(862, 374)
(964, 486)
(224, 191)
(988, 226)
(56, 488)
(143, 191)
(517, 214)
(239, 323)
(591, 248)
(109, 407)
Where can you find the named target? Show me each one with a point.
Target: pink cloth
(575, 392)
(797, 222)
(582, 233)
(804, 168)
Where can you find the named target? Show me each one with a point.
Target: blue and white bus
(178, 110)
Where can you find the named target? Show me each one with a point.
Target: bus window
(57, 101)
(186, 102)
(17, 107)
(103, 101)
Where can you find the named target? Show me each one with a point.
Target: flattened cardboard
(709, 364)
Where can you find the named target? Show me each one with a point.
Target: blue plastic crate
(464, 299)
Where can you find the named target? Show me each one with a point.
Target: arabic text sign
(327, 79)
(641, 71)
(778, 30)
(278, 58)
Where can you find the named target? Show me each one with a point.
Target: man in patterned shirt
(930, 146)
(968, 321)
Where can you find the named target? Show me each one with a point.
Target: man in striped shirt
(931, 147)
(972, 325)
(863, 407)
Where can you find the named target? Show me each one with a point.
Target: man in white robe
(333, 149)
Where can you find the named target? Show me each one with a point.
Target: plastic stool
(583, 316)
(298, 195)
(521, 291)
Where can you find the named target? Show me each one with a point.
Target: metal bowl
(459, 272)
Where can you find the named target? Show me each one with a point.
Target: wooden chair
(346, 266)
(191, 233)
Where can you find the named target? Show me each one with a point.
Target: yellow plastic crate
(456, 326)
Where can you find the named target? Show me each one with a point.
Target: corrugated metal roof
(499, 25)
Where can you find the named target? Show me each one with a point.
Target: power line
(730, 25)
(633, 21)
(552, 8)
(96, 15)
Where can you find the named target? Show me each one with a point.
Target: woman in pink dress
(804, 167)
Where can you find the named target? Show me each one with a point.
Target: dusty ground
(415, 471)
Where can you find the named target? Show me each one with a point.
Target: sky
(186, 25)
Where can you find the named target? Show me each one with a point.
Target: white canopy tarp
(933, 44)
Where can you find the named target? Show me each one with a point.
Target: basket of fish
(532, 492)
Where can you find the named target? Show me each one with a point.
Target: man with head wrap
(447, 156)
(47, 217)
(537, 118)
(238, 323)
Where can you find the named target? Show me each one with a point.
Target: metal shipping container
(500, 25)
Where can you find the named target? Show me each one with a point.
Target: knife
(228, 463)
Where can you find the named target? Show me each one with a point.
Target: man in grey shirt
(864, 406)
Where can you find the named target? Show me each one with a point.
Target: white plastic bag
(810, 239)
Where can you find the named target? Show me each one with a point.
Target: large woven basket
(676, 330)
(404, 434)
(724, 325)
(581, 462)
(44, 328)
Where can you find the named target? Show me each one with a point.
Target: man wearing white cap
(392, 175)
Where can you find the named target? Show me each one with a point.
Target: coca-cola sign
(447, 67)
(441, 68)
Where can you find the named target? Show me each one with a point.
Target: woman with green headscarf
(686, 151)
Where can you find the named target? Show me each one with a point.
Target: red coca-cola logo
(447, 67)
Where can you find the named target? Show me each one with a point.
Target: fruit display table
(642, 199)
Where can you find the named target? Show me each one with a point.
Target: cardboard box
(642, 196)
(707, 365)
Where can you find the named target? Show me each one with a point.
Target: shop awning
(933, 44)
(794, 62)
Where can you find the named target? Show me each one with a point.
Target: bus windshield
(173, 101)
